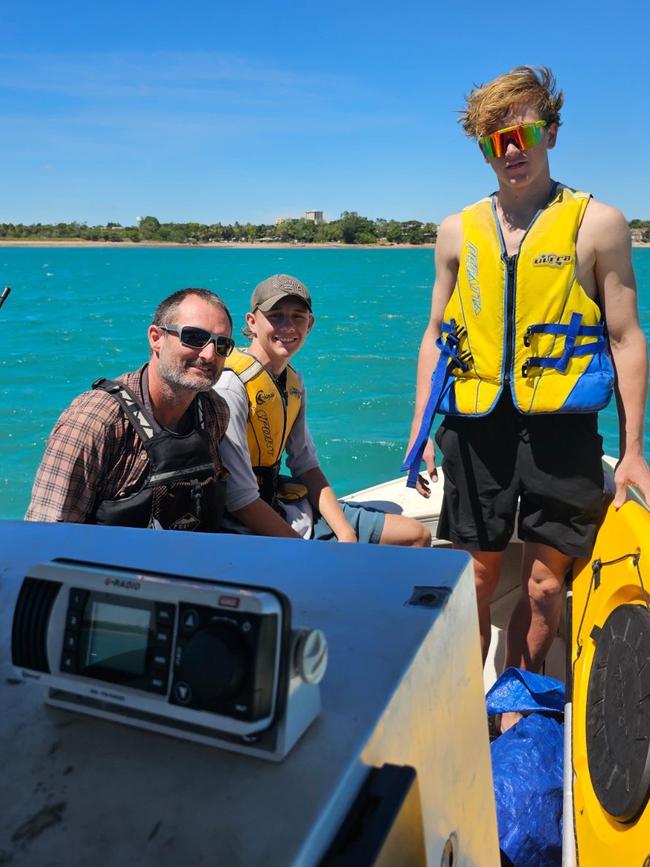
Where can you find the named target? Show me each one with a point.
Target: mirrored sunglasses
(523, 136)
(198, 338)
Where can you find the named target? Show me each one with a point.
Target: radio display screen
(117, 637)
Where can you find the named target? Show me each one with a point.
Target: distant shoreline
(233, 245)
(227, 245)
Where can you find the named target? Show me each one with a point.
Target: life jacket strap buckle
(114, 388)
(452, 341)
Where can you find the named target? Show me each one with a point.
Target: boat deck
(395, 498)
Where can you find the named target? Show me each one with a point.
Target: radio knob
(310, 654)
(214, 664)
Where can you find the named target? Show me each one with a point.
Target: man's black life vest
(181, 490)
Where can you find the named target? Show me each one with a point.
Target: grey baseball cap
(275, 288)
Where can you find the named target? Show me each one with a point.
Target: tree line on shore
(350, 228)
(642, 227)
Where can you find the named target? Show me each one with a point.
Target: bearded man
(142, 450)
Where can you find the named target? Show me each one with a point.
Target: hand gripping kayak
(450, 357)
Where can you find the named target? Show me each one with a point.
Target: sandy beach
(234, 245)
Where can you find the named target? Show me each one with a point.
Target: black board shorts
(547, 465)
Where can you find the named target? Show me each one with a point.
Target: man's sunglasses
(523, 136)
(198, 338)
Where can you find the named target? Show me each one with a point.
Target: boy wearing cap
(266, 397)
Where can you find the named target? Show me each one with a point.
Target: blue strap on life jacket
(450, 357)
(570, 332)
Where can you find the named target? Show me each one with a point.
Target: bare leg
(535, 619)
(487, 571)
(536, 616)
(400, 530)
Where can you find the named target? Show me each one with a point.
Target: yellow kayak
(610, 658)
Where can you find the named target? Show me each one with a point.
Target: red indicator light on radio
(229, 601)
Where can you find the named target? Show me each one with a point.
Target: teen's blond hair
(487, 105)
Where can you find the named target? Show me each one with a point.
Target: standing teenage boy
(533, 321)
(266, 397)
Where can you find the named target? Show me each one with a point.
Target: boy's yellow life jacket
(271, 415)
(525, 320)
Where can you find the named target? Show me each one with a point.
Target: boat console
(117, 638)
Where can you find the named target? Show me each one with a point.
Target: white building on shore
(310, 216)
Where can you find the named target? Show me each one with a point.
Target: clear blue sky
(215, 111)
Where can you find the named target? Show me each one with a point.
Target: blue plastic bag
(524, 691)
(527, 768)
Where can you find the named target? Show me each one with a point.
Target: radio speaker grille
(29, 633)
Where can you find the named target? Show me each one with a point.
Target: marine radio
(190, 657)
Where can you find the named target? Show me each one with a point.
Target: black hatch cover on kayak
(618, 712)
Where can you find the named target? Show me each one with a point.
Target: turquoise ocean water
(76, 314)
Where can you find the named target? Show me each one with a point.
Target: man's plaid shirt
(94, 454)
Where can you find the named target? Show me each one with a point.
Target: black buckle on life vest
(527, 336)
(525, 369)
(114, 389)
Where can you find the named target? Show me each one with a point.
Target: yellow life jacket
(521, 321)
(272, 412)
(525, 319)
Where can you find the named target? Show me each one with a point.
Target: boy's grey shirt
(241, 484)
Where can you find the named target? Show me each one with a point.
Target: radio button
(69, 662)
(70, 641)
(160, 659)
(229, 601)
(77, 598)
(182, 692)
(73, 620)
(162, 637)
(158, 683)
(164, 615)
(189, 620)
